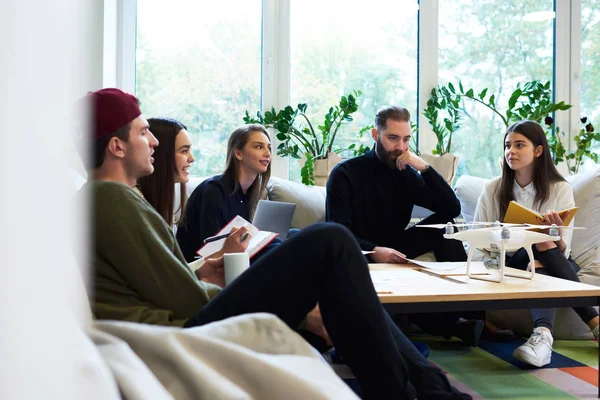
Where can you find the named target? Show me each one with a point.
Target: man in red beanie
(141, 275)
(123, 145)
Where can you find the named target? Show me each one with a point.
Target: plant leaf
(483, 93)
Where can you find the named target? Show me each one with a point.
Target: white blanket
(254, 356)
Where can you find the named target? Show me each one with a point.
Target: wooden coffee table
(407, 289)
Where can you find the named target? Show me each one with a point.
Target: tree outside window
(494, 45)
(353, 46)
(199, 62)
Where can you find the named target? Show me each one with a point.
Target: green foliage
(584, 141)
(299, 140)
(443, 99)
(532, 101)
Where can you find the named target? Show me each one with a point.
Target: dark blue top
(210, 207)
(375, 201)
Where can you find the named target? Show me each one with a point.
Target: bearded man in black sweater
(373, 195)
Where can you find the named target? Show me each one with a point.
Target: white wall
(51, 55)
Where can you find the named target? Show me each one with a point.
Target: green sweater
(140, 274)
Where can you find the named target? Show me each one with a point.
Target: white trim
(562, 65)
(575, 76)
(276, 68)
(110, 69)
(126, 36)
(562, 71)
(428, 68)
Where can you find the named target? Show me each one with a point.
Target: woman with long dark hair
(530, 178)
(217, 200)
(172, 160)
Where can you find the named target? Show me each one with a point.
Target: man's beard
(386, 157)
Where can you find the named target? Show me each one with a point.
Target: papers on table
(389, 281)
(448, 268)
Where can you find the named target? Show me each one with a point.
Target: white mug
(234, 265)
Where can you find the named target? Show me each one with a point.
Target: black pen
(223, 236)
(218, 237)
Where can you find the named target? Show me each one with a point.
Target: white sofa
(310, 201)
(310, 208)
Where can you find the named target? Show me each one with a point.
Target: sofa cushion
(468, 189)
(567, 324)
(586, 187)
(309, 200)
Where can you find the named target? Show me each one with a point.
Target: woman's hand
(237, 242)
(212, 271)
(553, 217)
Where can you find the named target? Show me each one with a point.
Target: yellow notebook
(518, 214)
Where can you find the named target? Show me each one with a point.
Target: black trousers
(417, 241)
(323, 264)
(557, 265)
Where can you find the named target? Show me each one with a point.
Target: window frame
(119, 61)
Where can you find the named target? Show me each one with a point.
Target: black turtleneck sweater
(375, 202)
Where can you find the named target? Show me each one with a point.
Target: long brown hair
(544, 171)
(158, 188)
(237, 140)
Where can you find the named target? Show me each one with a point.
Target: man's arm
(138, 263)
(141, 314)
(339, 202)
(434, 193)
(430, 190)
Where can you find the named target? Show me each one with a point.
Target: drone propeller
(441, 226)
(532, 226)
(506, 226)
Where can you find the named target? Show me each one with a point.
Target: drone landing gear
(502, 257)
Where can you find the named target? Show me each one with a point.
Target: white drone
(498, 239)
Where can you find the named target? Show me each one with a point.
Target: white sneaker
(537, 350)
(596, 331)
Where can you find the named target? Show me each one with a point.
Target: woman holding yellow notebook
(530, 179)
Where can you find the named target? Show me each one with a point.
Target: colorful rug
(490, 372)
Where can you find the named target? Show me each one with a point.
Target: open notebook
(519, 214)
(258, 240)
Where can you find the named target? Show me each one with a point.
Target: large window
(353, 46)
(199, 62)
(494, 45)
(590, 60)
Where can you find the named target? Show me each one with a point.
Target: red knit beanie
(111, 109)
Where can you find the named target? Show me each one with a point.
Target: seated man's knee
(332, 231)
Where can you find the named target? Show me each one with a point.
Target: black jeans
(417, 241)
(557, 265)
(323, 264)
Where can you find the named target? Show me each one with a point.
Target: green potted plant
(299, 138)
